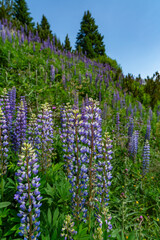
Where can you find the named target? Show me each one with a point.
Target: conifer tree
(22, 14)
(44, 29)
(6, 9)
(67, 44)
(88, 37)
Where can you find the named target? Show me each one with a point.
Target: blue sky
(131, 28)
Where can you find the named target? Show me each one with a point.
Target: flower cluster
(146, 157)
(87, 168)
(12, 100)
(20, 126)
(44, 138)
(133, 145)
(131, 126)
(28, 195)
(3, 143)
(148, 130)
(67, 229)
(5, 104)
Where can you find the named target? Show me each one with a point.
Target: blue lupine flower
(146, 157)
(27, 193)
(3, 143)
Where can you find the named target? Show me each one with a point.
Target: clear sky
(131, 28)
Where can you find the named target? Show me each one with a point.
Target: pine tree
(44, 29)
(88, 37)
(22, 14)
(6, 9)
(67, 44)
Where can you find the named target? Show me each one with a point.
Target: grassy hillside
(46, 102)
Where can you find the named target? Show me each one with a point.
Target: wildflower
(28, 195)
(44, 139)
(68, 228)
(146, 157)
(52, 73)
(20, 126)
(3, 143)
(148, 130)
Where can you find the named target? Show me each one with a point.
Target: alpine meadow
(79, 140)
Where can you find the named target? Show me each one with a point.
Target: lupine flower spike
(67, 230)
(146, 157)
(28, 195)
(3, 143)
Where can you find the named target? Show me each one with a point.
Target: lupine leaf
(55, 216)
(4, 204)
(49, 216)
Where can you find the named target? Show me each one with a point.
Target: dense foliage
(79, 151)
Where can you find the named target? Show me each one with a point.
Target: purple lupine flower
(68, 228)
(28, 195)
(12, 100)
(32, 130)
(3, 143)
(135, 110)
(127, 112)
(133, 145)
(96, 80)
(6, 107)
(30, 37)
(25, 27)
(131, 126)
(117, 121)
(36, 38)
(9, 36)
(64, 80)
(104, 112)
(81, 135)
(22, 37)
(18, 34)
(98, 233)
(103, 177)
(52, 73)
(10, 25)
(100, 96)
(44, 139)
(1, 26)
(106, 81)
(146, 157)
(20, 126)
(71, 131)
(148, 130)
(22, 29)
(25, 105)
(3, 36)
